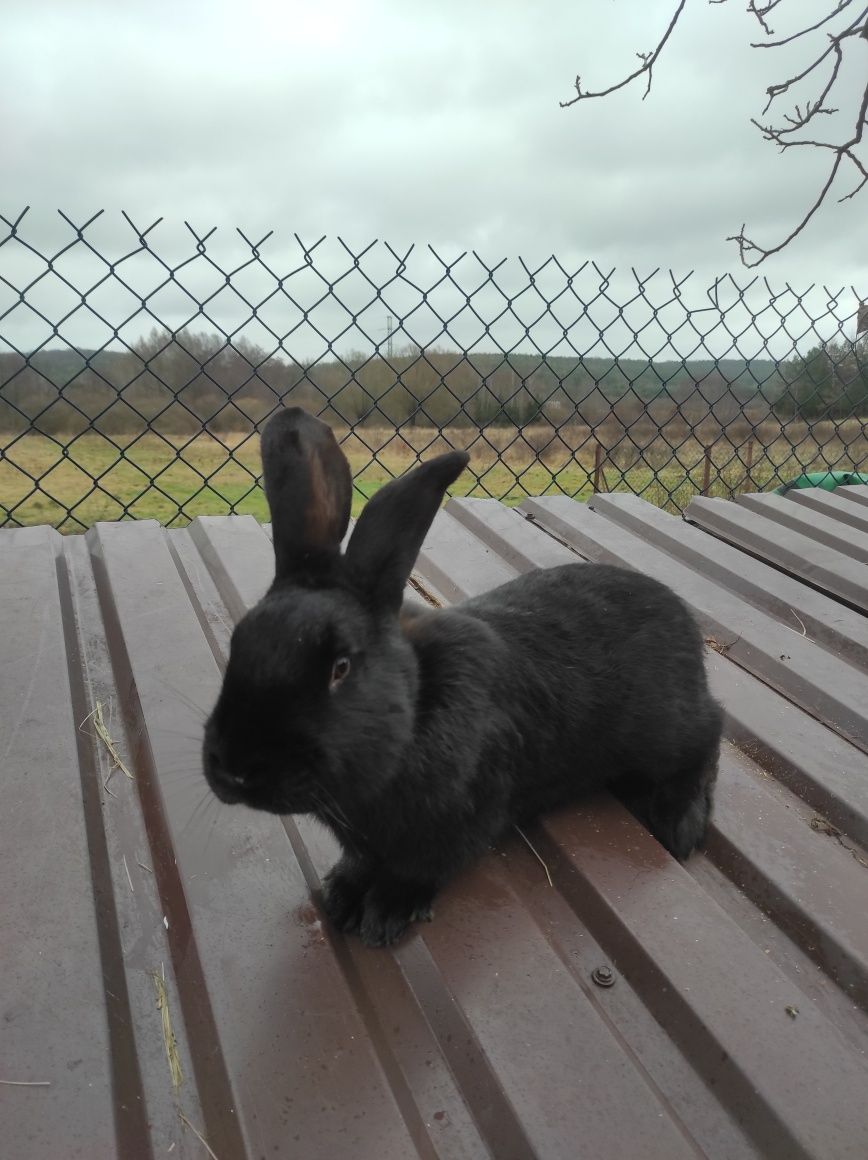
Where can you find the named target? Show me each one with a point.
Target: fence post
(598, 465)
(749, 464)
(706, 472)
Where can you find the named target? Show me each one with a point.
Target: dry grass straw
(169, 1039)
(536, 854)
(198, 1136)
(129, 876)
(103, 734)
(25, 1082)
(801, 622)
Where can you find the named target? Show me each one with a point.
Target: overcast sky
(410, 122)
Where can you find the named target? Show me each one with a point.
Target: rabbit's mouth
(271, 798)
(228, 796)
(260, 785)
(227, 786)
(257, 797)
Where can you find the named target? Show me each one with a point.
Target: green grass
(152, 478)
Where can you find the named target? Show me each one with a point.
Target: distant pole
(598, 465)
(389, 331)
(706, 472)
(749, 464)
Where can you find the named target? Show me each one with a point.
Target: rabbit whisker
(198, 810)
(187, 701)
(332, 810)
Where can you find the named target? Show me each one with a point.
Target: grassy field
(87, 478)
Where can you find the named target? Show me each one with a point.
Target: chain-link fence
(137, 364)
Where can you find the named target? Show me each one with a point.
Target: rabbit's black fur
(447, 727)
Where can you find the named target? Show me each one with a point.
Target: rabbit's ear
(389, 532)
(309, 489)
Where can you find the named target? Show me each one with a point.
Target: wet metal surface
(633, 1007)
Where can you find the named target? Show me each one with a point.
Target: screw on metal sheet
(603, 976)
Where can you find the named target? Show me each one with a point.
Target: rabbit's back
(606, 680)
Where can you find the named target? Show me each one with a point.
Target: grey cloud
(408, 123)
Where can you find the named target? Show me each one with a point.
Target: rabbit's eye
(339, 672)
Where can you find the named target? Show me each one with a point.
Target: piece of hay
(169, 1039)
(801, 622)
(26, 1082)
(198, 1136)
(103, 735)
(535, 854)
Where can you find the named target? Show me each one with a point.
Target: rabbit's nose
(221, 778)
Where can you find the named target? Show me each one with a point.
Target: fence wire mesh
(138, 364)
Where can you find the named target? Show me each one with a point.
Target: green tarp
(825, 479)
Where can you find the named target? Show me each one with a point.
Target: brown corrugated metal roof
(736, 1024)
(762, 532)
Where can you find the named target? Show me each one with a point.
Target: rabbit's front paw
(344, 890)
(390, 908)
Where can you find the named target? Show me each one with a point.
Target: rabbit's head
(318, 699)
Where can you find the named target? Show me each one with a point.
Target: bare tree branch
(648, 59)
(762, 13)
(831, 50)
(752, 253)
(842, 4)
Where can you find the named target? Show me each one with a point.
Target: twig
(198, 1136)
(535, 853)
(842, 4)
(649, 59)
(762, 13)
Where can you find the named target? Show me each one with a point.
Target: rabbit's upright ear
(309, 489)
(389, 532)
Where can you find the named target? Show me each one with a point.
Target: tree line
(180, 383)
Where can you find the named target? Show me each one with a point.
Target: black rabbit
(419, 736)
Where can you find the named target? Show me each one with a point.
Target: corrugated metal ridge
(821, 523)
(795, 553)
(838, 505)
(805, 611)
